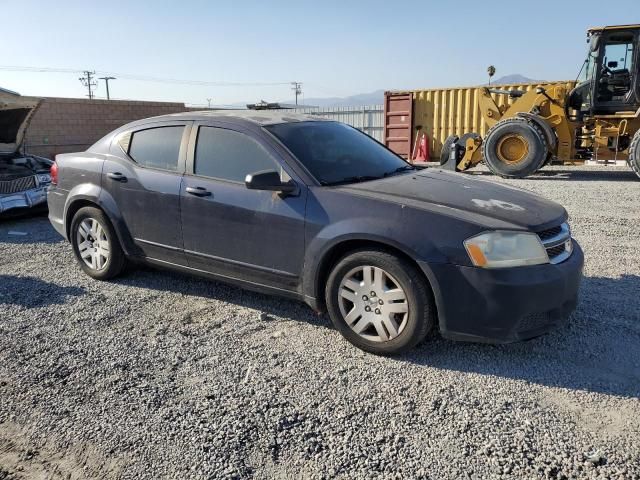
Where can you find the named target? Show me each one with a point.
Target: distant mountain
(513, 78)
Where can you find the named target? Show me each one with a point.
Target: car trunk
(16, 112)
(18, 172)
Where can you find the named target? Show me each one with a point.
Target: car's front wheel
(381, 303)
(95, 244)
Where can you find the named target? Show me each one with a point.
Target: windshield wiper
(366, 178)
(404, 168)
(354, 179)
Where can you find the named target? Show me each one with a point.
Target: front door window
(616, 71)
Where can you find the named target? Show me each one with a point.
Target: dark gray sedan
(318, 211)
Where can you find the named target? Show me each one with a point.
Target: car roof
(257, 117)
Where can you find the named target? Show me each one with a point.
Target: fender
(369, 230)
(82, 192)
(98, 196)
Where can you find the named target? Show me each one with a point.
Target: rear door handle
(117, 176)
(198, 191)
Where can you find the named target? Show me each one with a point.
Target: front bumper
(27, 199)
(505, 305)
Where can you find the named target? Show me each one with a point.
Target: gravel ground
(157, 375)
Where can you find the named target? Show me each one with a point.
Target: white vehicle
(23, 178)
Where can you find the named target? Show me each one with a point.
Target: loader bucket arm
(488, 107)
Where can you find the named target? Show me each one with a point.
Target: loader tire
(634, 154)
(515, 148)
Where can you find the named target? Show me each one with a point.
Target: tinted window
(229, 155)
(157, 147)
(336, 153)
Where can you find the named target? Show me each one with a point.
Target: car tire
(634, 154)
(387, 312)
(95, 244)
(515, 148)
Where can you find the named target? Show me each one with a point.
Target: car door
(143, 176)
(229, 230)
(616, 78)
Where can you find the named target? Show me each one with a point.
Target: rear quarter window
(157, 147)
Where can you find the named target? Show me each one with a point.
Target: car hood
(16, 112)
(482, 202)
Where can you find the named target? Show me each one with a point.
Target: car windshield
(336, 153)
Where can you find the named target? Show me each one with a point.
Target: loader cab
(609, 81)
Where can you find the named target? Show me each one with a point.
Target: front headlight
(505, 249)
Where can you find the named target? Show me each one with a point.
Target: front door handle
(117, 176)
(198, 191)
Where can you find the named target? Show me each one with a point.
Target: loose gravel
(158, 375)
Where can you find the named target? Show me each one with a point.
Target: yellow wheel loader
(599, 119)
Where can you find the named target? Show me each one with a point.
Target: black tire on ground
(116, 261)
(421, 314)
(515, 148)
(446, 148)
(634, 154)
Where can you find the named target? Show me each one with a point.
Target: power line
(199, 82)
(142, 78)
(39, 69)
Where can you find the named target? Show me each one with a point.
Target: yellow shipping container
(452, 111)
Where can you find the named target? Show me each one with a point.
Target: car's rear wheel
(381, 303)
(95, 244)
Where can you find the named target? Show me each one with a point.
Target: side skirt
(253, 286)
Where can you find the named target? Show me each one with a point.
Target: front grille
(555, 242)
(550, 233)
(17, 185)
(555, 251)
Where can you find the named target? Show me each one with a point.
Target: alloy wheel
(93, 244)
(373, 304)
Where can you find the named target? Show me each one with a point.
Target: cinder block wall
(64, 125)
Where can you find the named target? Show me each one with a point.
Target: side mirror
(269, 180)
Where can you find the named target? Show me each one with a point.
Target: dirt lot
(157, 375)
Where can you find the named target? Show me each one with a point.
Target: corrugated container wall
(455, 111)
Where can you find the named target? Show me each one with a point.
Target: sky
(251, 50)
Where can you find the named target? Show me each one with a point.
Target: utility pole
(106, 81)
(87, 81)
(297, 88)
(209, 102)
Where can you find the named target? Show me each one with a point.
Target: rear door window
(157, 147)
(230, 155)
